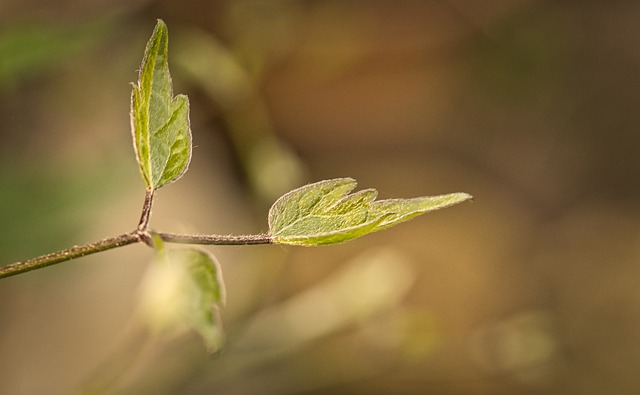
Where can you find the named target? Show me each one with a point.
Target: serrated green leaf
(325, 212)
(400, 210)
(205, 292)
(160, 122)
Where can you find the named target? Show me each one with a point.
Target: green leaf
(204, 292)
(325, 212)
(184, 290)
(160, 122)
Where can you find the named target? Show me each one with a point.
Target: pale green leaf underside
(325, 212)
(160, 122)
(206, 293)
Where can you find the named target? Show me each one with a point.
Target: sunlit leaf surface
(160, 122)
(325, 212)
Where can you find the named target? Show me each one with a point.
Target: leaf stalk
(146, 210)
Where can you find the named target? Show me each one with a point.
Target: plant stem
(69, 253)
(146, 210)
(122, 240)
(216, 239)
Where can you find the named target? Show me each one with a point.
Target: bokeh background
(529, 105)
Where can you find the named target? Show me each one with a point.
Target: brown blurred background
(531, 106)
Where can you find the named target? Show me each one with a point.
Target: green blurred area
(530, 106)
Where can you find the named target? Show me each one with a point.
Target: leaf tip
(463, 197)
(160, 25)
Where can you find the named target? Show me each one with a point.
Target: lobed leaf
(325, 212)
(160, 122)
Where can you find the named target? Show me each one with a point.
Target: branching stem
(141, 234)
(138, 235)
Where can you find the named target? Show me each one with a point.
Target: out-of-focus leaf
(185, 289)
(325, 212)
(205, 289)
(160, 122)
(30, 48)
(363, 287)
(272, 168)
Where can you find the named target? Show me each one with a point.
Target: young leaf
(325, 212)
(159, 121)
(205, 291)
(184, 289)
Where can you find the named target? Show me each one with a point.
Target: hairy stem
(136, 236)
(69, 253)
(146, 210)
(215, 239)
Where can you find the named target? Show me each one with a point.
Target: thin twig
(216, 239)
(125, 239)
(69, 253)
